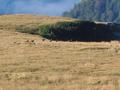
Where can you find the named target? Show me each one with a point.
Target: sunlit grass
(27, 62)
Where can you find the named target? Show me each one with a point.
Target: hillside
(71, 29)
(27, 62)
(11, 22)
(96, 10)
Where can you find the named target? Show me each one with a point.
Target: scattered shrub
(27, 29)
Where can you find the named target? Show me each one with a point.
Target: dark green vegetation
(74, 31)
(96, 10)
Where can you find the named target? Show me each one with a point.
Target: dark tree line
(75, 31)
(96, 10)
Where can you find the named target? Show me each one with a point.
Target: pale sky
(44, 7)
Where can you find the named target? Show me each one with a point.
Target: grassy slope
(12, 21)
(43, 65)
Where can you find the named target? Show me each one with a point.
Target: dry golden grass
(12, 21)
(29, 63)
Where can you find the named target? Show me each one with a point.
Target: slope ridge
(12, 21)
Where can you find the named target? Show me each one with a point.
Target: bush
(75, 30)
(78, 30)
(46, 31)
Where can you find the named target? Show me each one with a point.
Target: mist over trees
(96, 10)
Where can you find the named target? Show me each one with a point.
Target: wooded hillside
(96, 10)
